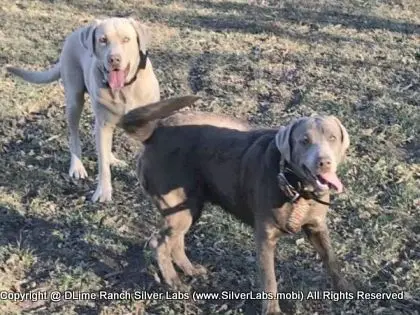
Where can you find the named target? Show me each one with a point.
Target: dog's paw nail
(77, 170)
(78, 175)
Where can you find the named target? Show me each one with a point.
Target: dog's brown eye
(305, 141)
(102, 40)
(332, 138)
(126, 39)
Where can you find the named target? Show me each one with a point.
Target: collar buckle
(287, 188)
(295, 197)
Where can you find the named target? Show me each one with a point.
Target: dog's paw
(175, 284)
(271, 307)
(116, 162)
(192, 270)
(77, 170)
(198, 270)
(102, 194)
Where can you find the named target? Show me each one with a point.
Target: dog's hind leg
(74, 106)
(178, 242)
(178, 218)
(163, 256)
(74, 91)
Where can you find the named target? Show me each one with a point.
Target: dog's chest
(132, 98)
(126, 101)
(292, 216)
(122, 101)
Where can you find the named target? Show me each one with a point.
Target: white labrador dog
(108, 59)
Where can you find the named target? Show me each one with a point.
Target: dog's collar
(141, 66)
(294, 193)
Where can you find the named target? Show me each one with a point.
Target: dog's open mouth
(117, 77)
(324, 181)
(329, 180)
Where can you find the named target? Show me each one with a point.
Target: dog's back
(188, 118)
(200, 153)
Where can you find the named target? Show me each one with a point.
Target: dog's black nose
(324, 162)
(114, 60)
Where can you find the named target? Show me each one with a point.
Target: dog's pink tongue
(331, 178)
(116, 79)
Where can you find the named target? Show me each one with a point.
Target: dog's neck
(141, 66)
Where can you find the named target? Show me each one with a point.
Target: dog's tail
(38, 77)
(141, 122)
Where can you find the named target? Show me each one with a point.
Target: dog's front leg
(319, 237)
(266, 240)
(103, 139)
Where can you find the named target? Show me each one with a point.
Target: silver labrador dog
(108, 59)
(264, 177)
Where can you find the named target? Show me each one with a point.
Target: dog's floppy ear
(345, 139)
(143, 35)
(87, 36)
(283, 140)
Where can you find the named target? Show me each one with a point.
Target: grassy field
(356, 59)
